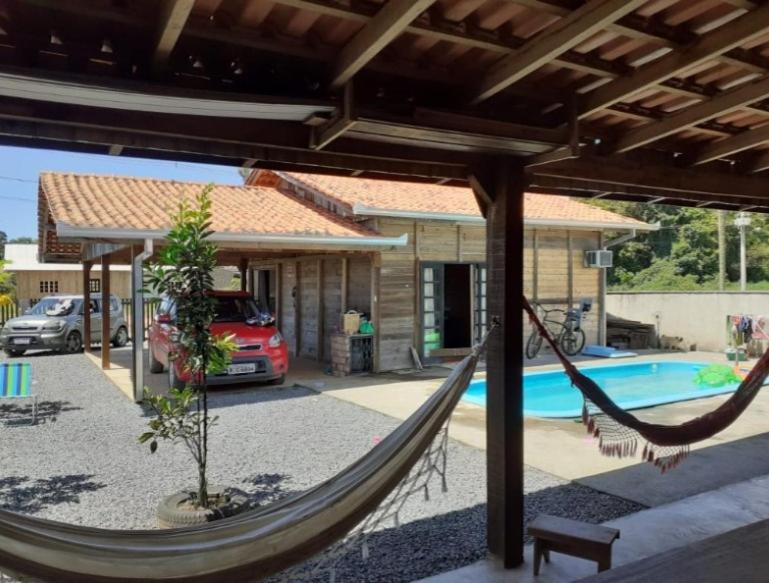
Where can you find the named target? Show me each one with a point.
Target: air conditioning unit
(599, 258)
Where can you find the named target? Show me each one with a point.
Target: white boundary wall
(698, 317)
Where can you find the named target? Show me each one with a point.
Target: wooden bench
(570, 537)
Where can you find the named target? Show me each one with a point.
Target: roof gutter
(64, 230)
(365, 210)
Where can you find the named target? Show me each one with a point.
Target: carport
(656, 100)
(89, 218)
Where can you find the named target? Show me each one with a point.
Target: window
(49, 287)
(94, 286)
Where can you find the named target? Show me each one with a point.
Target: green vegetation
(183, 273)
(683, 254)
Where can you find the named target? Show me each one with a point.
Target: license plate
(22, 340)
(245, 368)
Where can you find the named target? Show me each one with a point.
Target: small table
(571, 537)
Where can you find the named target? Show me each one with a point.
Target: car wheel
(173, 381)
(14, 353)
(278, 381)
(74, 343)
(121, 337)
(155, 365)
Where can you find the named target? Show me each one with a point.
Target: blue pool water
(631, 386)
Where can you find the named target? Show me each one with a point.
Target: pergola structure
(647, 100)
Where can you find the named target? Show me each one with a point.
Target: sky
(20, 168)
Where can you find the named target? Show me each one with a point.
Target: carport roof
(86, 206)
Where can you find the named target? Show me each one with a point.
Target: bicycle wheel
(573, 341)
(533, 344)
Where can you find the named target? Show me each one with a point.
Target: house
(311, 247)
(35, 279)
(430, 293)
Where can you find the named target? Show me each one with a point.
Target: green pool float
(716, 375)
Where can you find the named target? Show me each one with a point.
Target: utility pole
(742, 222)
(721, 249)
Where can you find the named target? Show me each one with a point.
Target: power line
(15, 179)
(19, 198)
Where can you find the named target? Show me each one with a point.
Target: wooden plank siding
(386, 284)
(398, 321)
(69, 282)
(308, 309)
(288, 304)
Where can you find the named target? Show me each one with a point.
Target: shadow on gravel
(263, 489)
(220, 397)
(20, 414)
(437, 544)
(25, 495)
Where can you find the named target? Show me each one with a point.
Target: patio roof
(76, 207)
(646, 91)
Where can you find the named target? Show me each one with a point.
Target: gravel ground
(82, 464)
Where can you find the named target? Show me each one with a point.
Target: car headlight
(275, 340)
(57, 326)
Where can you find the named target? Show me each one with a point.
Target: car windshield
(234, 309)
(54, 307)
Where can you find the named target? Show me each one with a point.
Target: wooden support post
(243, 274)
(87, 305)
(298, 310)
(570, 269)
(344, 286)
(504, 363)
(321, 312)
(105, 312)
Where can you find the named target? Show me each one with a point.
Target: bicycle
(568, 333)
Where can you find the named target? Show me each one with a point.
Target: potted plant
(183, 272)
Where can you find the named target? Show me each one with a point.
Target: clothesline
(750, 326)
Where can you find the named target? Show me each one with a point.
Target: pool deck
(562, 447)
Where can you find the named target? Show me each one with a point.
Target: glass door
(479, 316)
(432, 308)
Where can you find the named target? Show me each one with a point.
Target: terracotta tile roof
(113, 202)
(434, 198)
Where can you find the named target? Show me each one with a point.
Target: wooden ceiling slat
(722, 40)
(562, 36)
(719, 105)
(173, 16)
(391, 20)
(722, 148)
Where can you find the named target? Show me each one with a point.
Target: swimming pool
(631, 386)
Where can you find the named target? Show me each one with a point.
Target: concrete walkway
(643, 534)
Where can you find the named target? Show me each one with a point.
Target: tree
(184, 274)
(24, 240)
(3, 241)
(7, 286)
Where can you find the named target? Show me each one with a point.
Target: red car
(262, 352)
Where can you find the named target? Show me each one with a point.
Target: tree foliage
(183, 273)
(683, 253)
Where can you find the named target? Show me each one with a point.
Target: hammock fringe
(618, 432)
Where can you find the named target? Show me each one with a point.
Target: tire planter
(174, 511)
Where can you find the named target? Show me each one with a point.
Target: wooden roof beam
(391, 20)
(565, 34)
(719, 105)
(739, 31)
(173, 16)
(722, 148)
(615, 172)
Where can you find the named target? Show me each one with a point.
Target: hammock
(246, 547)
(618, 431)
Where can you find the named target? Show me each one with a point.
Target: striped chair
(16, 383)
